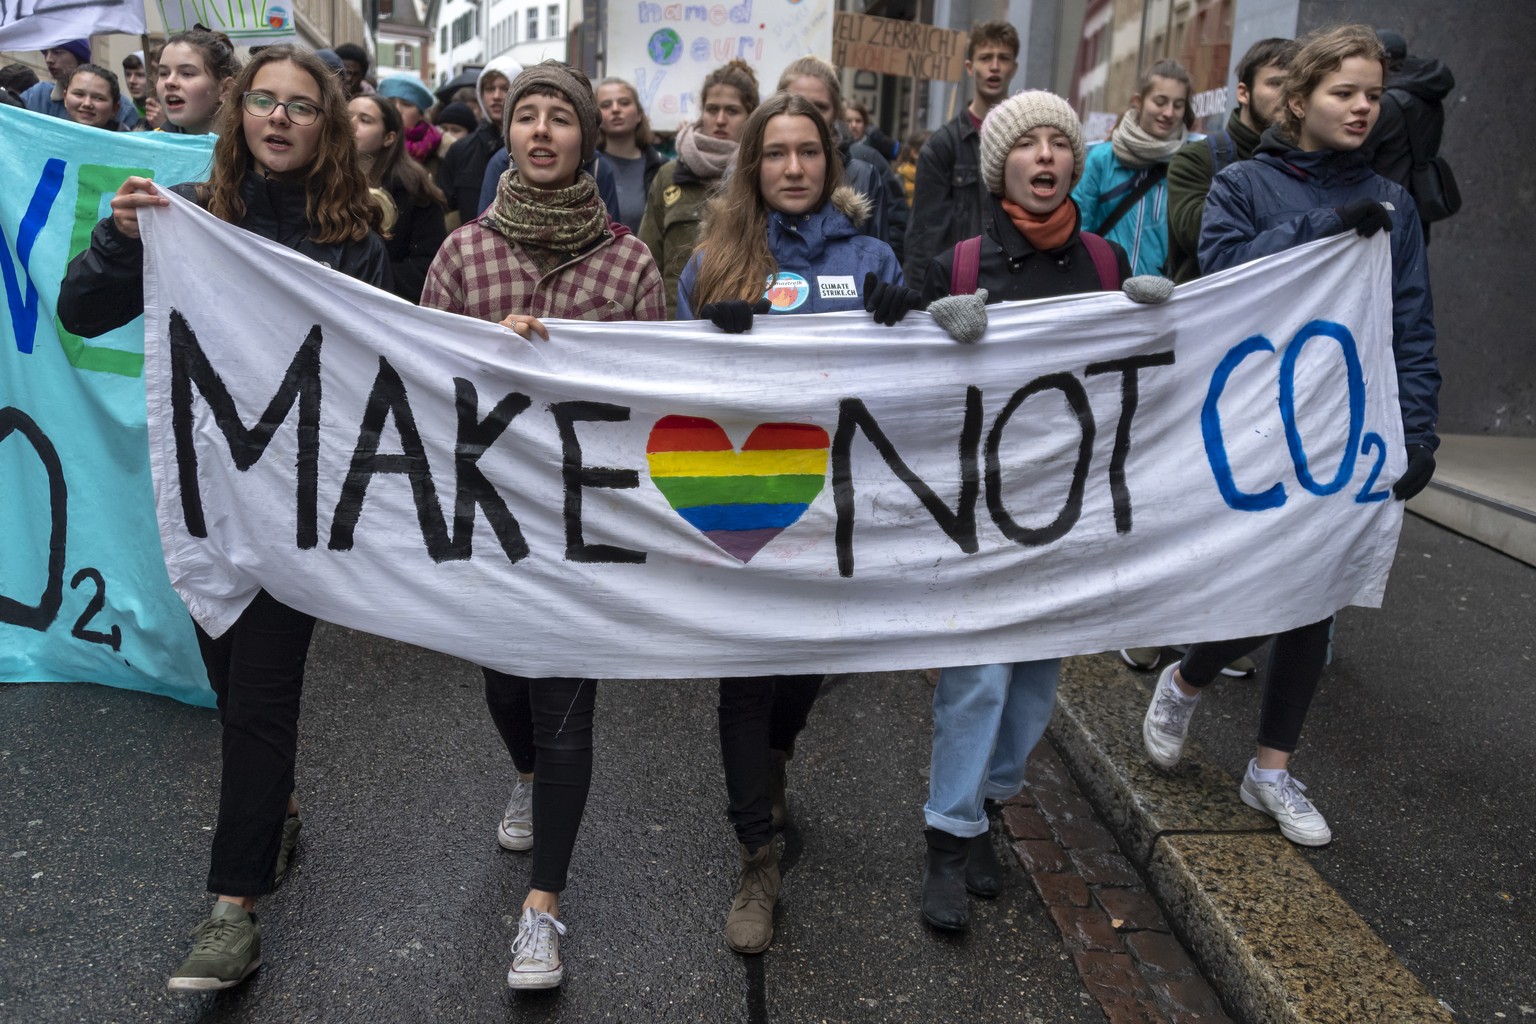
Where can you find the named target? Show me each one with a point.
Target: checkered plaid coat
(481, 273)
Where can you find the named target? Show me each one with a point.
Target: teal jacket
(1143, 231)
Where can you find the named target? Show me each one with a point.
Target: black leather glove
(735, 315)
(889, 302)
(1421, 466)
(1366, 216)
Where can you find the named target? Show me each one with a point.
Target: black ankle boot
(983, 871)
(944, 904)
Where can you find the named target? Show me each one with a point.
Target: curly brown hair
(1321, 54)
(338, 206)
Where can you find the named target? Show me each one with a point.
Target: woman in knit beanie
(987, 718)
(544, 249)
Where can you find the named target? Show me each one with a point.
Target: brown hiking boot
(749, 926)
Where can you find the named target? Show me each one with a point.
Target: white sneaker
(515, 832)
(1300, 822)
(1166, 724)
(536, 959)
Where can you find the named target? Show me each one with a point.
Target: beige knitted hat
(1018, 114)
(570, 82)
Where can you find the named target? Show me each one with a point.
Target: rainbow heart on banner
(743, 499)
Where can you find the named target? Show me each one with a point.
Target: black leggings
(1295, 666)
(257, 672)
(758, 714)
(562, 734)
(507, 698)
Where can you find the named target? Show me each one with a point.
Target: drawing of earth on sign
(277, 19)
(743, 499)
(665, 46)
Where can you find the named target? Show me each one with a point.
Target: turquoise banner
(83, 589)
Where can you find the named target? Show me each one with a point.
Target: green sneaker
(1144, 659)
(291, 826)
(226, 949)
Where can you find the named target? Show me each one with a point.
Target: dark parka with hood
(1410, 106)
(1285, 197)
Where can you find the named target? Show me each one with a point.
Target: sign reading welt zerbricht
(895, 47)
(666, 49)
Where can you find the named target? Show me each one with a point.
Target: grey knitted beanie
(573, 84)
(1018, 114)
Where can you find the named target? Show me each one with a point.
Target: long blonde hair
(735, 261)
(337, 204)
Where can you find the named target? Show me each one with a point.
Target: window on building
(405, 55)
(554, 21)
(442, 42)
(533, 23)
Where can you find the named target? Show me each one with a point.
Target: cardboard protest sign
(666, 48)
(83, 590)
(823, 494)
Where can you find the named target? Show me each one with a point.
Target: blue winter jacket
(1286, 197)
(1143, 231)
(822, 258)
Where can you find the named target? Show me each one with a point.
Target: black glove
(735, 315)
(889, 302)
(1366, 216)
(1421, 466)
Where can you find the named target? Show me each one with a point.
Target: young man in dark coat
(949, 199)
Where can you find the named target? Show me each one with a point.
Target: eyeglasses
(299, 112)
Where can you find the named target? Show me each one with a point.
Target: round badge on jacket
(787, 292)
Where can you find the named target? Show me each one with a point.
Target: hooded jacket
(822, 258)
(103, 288)
(463, 169)
(1013, 270)
(949, 200)
(1285, 197)
(1143, 231)
(1410, 107)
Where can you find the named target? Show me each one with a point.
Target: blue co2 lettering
(1274, 496)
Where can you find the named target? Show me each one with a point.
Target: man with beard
(948, 197)
(1260, 87)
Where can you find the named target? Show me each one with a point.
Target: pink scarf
(421, 140)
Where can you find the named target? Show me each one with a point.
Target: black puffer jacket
(1013, 270)
(103, 288)
(1410, 107)
(417, 234)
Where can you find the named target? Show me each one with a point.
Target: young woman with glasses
(285, 168)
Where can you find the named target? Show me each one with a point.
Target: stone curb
(1278, 942)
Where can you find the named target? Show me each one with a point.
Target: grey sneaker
(536, 959)
(1284, 801)
(1166, 724)
(1144, 659)
(226, 949)
(291, 826)
(515, 832)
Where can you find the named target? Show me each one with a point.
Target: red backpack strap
(965, 270)
(1103, 261)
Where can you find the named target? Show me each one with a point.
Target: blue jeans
(986, 720)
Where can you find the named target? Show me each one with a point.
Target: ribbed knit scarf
(1045, 232)
(705, 155)
(421, 140)
(1135, 148)
(551, 225)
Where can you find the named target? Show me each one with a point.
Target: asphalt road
(402, 907)
(1419, 749)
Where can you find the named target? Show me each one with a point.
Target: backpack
(1430, 180)
(965, 270)
(1223, 151)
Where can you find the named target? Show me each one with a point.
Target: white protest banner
(823, 494)
(666, 47)
(83, 591)
(40, 24)
(246, 22)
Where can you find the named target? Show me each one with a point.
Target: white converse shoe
(1299, 821)
(515, 832)
(536, 959)
(1166, 724)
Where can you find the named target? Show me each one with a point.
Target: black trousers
(561, 714)
(507, 698)
(758, 714)
(257, 672)
(1295, 667)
